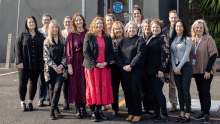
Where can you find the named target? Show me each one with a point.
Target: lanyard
(196, 46)
(148, 41)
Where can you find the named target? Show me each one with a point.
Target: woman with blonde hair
(117, 33)
(55, 64)
(203, 58)
(74, 58)
(98, 52)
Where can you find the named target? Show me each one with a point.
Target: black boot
(30, 107)
(66, 106)
(100, 114)
(78, 112)
(94, 118)
(115, 113)
(57, 112)
(52, 116)
(84, 113)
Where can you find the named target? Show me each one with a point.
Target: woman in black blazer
(130, 57)
(98, 52)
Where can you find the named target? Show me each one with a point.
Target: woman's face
(31, 24)
(179, 28)
(199, 29)
(137, 15)
(109, 21)
(146, 28)
(79, 22)
(55, 29)
(46, 21)
(67, 23)
(155, 29)
(118, 31)
(132, 30)
(99, 25)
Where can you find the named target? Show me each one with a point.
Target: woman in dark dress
(74, 58)
(55, 64)
(29, 56)
(130, 57)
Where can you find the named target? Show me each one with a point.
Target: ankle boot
(57, 112)
(52, 116)
(93, 117)
(78, 112)
(100, 114)
(84, 113)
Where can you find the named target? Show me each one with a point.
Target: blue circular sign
(117, 7)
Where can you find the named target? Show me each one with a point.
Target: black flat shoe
(30, 107)
(57, 112)
(40, 103)
(184, 120)
(66, 106)
(115, 113)
(201, 116)
(153, 116)
(23, 107)
(162, 119)
(52, 115)
(207, 119)
(179, 119)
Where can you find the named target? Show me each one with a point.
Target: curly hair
(117, 23)
(92, 28)
(158, 22)
(74, 27)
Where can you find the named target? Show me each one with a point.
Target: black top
(166, 31)
(56, 52)
(91, 51)
(211, 62)
(131, 51)
(157, 54)
(115, 50)
(29, 50)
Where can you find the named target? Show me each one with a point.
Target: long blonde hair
(92, 28)
(113, 34)
(50, 34)
(206, 30)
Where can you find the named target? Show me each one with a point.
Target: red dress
(98, 81)
(74, 56)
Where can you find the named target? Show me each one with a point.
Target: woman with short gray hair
(130, 57)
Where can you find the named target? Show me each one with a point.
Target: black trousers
(55, 85)
(116, 77)
(24, 76)
(147, 95)
(43, 88)
(183, 83)
(203, 87)
(92, 107)
(160, 100)
(65, 91)
(133, 81)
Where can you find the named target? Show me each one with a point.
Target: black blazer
(166, 31)
(91, 52)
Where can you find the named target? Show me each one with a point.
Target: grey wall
(150, 9)
(58, 9)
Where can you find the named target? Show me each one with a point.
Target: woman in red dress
(98, 52)
(74, 57)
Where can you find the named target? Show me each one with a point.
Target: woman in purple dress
(74, 57)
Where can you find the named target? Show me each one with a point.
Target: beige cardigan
(206, 49)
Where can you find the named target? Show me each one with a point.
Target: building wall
(58, 9)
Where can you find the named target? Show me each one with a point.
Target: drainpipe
(84, 8)
(177, 6)
(130, 9)
(105, 7)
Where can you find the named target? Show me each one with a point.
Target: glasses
(136, 13)
(46, 19)
(68, 22)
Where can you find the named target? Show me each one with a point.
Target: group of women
(93, 62)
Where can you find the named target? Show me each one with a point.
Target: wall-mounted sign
(126, 14)
(117, 7)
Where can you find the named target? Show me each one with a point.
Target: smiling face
(179, 28)
(155, 29)
(173, 17)
(31, 24)
(46, 21)
(118, 31)
(132, 30)
(79, 22)
(55, 29)
(146, 28)
(137, 15)
(67, 23)
(109, 21)
(199, 29)
(99, 25)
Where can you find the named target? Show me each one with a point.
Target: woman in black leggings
(29, 56)
(55, 65)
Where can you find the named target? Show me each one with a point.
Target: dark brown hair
(35, 21)
(74, 28)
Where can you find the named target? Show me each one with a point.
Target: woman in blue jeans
(180, 48)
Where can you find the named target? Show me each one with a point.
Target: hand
(105, 63)
(127, 68)
(70, 69)
(20, 66)
(98, 65)
(59, 68)
(206, 75)
(177, 72)
(160, 74)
